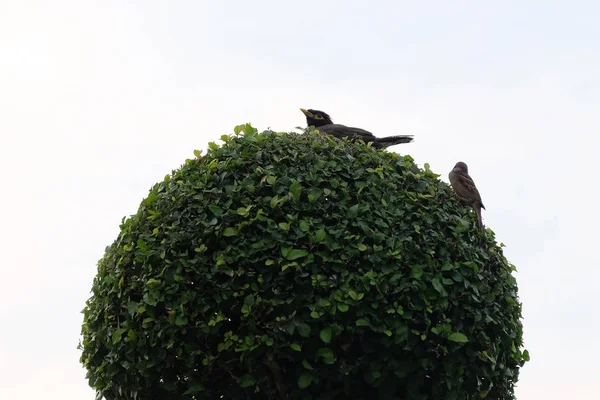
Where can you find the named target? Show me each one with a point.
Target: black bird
(322, 121)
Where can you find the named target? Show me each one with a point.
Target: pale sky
(101, 99)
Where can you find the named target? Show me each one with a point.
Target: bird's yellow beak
(309, 115)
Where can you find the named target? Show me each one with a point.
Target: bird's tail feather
(393, 140)
(479, 220)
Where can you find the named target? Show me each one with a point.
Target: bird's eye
(317, 116)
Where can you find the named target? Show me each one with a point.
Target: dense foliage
(300, 266)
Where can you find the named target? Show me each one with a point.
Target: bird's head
(461, 167)
(316, 118)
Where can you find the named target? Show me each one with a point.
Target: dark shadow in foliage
(287, 266)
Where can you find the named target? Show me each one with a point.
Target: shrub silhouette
(300, 266)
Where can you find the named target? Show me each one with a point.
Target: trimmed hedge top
(301, 266)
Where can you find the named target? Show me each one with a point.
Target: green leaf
(201, 249)
(314, 194)
(342, 307)
(216, 210)
(131, 307)
(296, 190)
(458, 337)
(352, 211)
(194, 389)
(472, 265)
(249, 340)
(362, 322)
(274, 201)
(320, 235)
(153, 282)
(249, 300)
(526, 355)
(416, 271)
(293, 254)
(304, 227)
(180, 320)
(326, 334)
(457, 276)
(198, 153)
(296, 347)
(362, 247)
(307, 365)
(271, 180)
(285, 226)
(447, 267)
(286, 266)
(230, 232)
(117, 334)
(303, 329)
(247, 381)
(304, 381)
(327, 355)
(437, 285)
(324, 303)
(142, 245)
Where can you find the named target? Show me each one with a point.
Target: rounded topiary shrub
(301, 266)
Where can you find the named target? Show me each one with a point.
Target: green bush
(300, 266)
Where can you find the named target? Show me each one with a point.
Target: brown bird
(322, 121)
(465, 189)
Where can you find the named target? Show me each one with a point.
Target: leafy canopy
(301, 266)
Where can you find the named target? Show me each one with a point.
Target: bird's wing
(468, 183)
(341, 131)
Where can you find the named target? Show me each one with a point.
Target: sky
(100, 100)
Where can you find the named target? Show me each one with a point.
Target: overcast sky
(101, 99)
